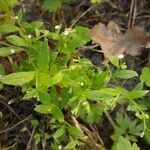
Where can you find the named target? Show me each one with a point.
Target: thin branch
(15, 125)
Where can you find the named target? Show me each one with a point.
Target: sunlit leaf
(18, 78)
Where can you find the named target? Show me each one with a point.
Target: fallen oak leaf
(114, 42)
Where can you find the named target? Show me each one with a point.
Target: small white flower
(81, 83)
(121, 56)
(16, 17)
(29, 36)
(12, 51)
(66, 32)
(57, 27)
(59, 147)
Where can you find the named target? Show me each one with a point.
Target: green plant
(124, 144)
(145, 76)
(61, 81)
(130, 129)
(95, 1)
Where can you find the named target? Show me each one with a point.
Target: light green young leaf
(56, 79)
(125, 74)
(51, 109)
(18, 78)
(114, 60)
(96, 95)
(96, 1)
(30, 94)
(42, 81)
(8, 28)
(16, 40)
(71, 145)
(111, 91)
(75, 131)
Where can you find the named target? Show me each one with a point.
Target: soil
(15, 114)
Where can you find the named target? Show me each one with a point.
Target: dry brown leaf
(114, 42)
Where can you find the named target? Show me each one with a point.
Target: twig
(28, 147)
(110, 119)
(12, 127)
(82, 15)
(2, 99)
(131, 13)
(10, 147)
(134, 12)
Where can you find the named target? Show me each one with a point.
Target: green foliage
(53, 5)
(127, 127)
(124, 144)
(145, 76)
(8, 28)
(125, 74)
(7, 4)
(65, 84)
(51, 109)
(95, 1)
(18, 78)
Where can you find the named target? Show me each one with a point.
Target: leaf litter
(114, 42)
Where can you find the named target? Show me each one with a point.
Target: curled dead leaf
(114, 42)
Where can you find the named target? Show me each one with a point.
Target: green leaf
(138, 87)
(74, 39)
(101, 79)
(56, 79)
(5, 51)
(51, 109)
(37, 138)
(18, 78)
(71, 145)
(30, 94)
(8, 28)
(111, 91)
(42, 81)
(145, 76)
(135, 94)
(125, 74)
(97, 95)
(95, 1)
(123, 144)
(135, 147)
(2, 70)
(52, 5)
(16, 40)
(114, 60)
(43, 57)
(37, 24)
(44, 97)
(59, 133)
(75, 131)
